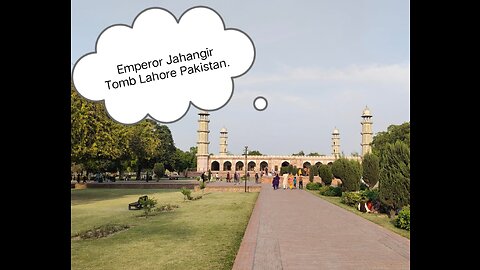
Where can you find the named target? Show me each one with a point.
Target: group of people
(368, 207)
(210, 177)
(236, 177)
(289, 181)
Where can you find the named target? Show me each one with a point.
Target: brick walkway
(292, 229)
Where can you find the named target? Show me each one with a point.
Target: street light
(246, 154)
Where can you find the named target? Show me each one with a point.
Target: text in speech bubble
(161, 65)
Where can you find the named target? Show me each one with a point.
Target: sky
(318, 63)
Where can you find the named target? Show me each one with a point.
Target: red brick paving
(293, 229)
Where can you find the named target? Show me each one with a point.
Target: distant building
(223, 163)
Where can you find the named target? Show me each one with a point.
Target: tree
(349, 171)
(394, 186)
(301, 153)
(371, 169)
(97, 142)
(166, 148)
(325, 172)
(314, 154)
(254, 153)
(159, 170)
(355, 154)
(144, 144)
(394, 133)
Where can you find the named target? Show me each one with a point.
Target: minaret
(336, 143)
(223, 141)
(367, 134)
(202, 142)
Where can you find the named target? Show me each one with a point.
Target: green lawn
(380, 219)
(202, 234)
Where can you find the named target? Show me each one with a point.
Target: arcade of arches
(230, 163)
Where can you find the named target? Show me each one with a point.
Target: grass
(202, 234)
(380, 219)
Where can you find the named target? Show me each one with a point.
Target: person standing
(295, 182)
(276, 181)
(300, 182)
(290, 181)
(285, 181)
(235, 178)
(228, 177)
(256, 178)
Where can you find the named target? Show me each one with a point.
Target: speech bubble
(159, 66)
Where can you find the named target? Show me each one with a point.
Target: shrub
(371, 169)
(166, 207)
(363, 186)
(148, 205)
(100, 231)
(203, 186)
(330, 191)
(351, 198)
(370, 195)
(313, 186)
(403, 219)
(325, 172)
(186, 193)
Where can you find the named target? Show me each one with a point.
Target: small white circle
(260, 103)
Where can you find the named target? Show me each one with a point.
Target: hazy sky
(318, 63)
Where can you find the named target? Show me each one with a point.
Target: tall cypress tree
(394, 186)
(371, 169)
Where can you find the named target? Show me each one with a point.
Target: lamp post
(246, 165)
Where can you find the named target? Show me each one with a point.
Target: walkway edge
(246, 253)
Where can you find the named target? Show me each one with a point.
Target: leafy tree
(355, 154)
(166, 150)
(159, 170)
(349, 171)
(394, 186)
(325, 172)
(371, 169)
(144, 144)
(301, 153)
(185, 160)
(394, 133)
(314, 154)
(254, 153)
(338, 168)
(97, 142)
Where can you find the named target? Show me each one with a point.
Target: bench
(138, 204)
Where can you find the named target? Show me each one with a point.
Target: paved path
(293, 229)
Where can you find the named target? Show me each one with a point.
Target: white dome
(223, 130)
(335, 131)
(366, 112)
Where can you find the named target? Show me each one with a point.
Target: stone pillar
(367, 133)
(202, 142)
